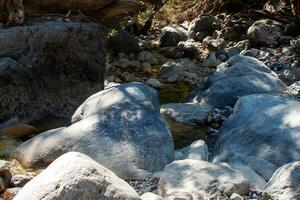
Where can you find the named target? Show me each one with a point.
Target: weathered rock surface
(241, 76)
(76, 176)
(202, 25)
(265, 32)
(44, 66)
(120, 127)
(262, 133)
(203, 180)
(198, 150)
(172, 35)
(120, 40)
(178, 70)
(285, 183)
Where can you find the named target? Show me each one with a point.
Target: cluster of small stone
(144, 185)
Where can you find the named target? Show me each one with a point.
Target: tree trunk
(14, 11)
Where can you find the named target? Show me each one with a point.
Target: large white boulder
(285, 183)
(120, 127)
(76, 176)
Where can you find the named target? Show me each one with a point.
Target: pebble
(236, 196)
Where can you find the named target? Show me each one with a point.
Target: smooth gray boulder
(265, 32)
(120, 127)
(262, 133)
(203, 180)
(188, 113)
(47, 68)
(241, 76)
(172, 35)
(76, 176)
(285, 183)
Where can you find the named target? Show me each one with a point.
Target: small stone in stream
(10, 193)
(146, 56)
(20, 180)
(151, 196)
(187, 113)
(154, 83)
(236, 196)
(173, 69)
(212, 61)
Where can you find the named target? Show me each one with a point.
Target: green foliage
(112, 32)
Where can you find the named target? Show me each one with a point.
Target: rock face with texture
(76, 176)
(262, 133)
(122, 41)
(177, 70)
(285, 183)
(49, 68)
(265, 32)
(203, 180)
(120, 127)
(241, 76)
(172, 35)
(202, 25)
(198, 150)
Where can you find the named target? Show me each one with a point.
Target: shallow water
(184, 135)
(7, 146)
(174, 93)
